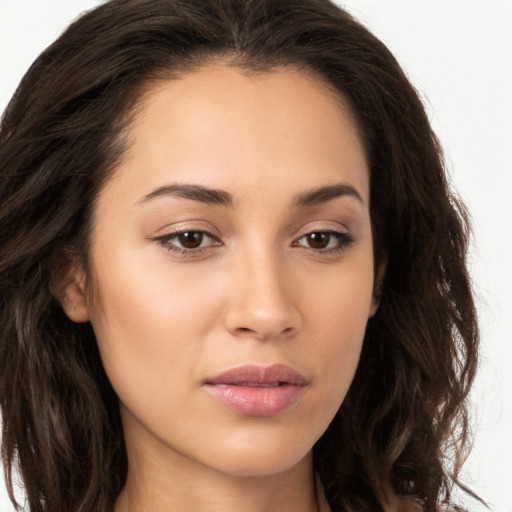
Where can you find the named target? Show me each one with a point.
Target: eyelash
(345, 240)
(165, 241)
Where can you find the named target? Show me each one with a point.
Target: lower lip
(257, 401)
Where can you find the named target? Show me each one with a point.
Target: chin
(249, 467)
(262, 457)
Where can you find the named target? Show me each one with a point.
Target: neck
(156, 488)
(163, 479)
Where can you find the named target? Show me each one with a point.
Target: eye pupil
(318, 240)
(191, 239)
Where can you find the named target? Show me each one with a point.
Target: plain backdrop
(458, 53)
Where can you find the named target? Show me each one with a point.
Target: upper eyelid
(165, 242)
(179, 229)
(182, 227)
(334, 227)
(178, 232)
(169, 236)
(344, 234)
(296, 235)
(325, 230)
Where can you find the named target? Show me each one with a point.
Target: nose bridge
(261, 299)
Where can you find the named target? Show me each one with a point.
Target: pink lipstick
(258, 390)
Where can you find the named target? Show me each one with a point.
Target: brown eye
(188, 242)
(318, 240)
(190, 239)
(325, 241)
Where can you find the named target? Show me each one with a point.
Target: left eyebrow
(322, 195)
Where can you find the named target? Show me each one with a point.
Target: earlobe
(71, 293)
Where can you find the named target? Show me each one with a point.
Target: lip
(255, 390)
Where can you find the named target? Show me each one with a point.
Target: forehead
(220, 127)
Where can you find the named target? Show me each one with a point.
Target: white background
(458, 53)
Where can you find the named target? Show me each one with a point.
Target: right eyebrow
(195, 192)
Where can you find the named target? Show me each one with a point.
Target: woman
(233, 276)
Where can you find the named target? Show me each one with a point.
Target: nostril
(262, 333)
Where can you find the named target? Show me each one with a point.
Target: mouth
(258, 390)
(260, 384)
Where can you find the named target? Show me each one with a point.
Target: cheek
(339, 304)
(338, 319)
(147, 321)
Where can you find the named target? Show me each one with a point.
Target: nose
(261, 298)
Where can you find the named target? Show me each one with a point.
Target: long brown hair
(402, 430)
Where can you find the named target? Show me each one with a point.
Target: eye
(325, 241)
(186, 241)
(190, 239)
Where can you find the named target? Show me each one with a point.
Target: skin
(255, 292)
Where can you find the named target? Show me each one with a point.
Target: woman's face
(232, 270)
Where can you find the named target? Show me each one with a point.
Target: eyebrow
(325, 194)
(195, 192)
(207, 195)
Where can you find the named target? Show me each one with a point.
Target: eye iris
(318, 240)
(191, 239)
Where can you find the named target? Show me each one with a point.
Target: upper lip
(276, 374)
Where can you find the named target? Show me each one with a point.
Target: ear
(70, 288)
(377, 288)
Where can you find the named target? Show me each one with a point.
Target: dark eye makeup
(196, 242)
(188, 242)
(325, 241)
